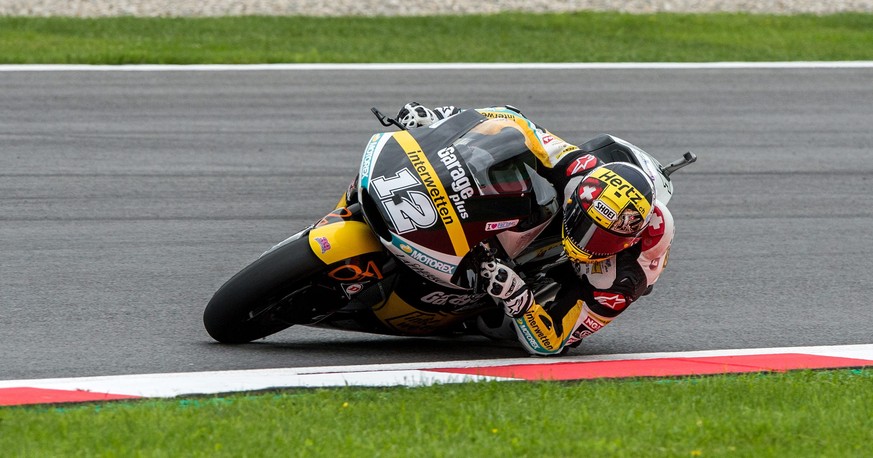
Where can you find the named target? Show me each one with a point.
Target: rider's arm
(541, 330)
(592, 295)
(546, 146)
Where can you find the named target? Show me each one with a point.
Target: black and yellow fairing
(338, 237)
(407, 304)
(441, 191)
(477, 175)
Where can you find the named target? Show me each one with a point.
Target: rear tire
(260, 299)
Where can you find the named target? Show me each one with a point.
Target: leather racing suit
(590, 295)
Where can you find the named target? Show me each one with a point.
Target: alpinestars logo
(616, 301)
(581, 164)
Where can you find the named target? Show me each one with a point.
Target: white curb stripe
(410, 374)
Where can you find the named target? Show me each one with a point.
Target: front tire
(263, 298)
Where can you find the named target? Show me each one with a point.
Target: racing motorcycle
(400, 254)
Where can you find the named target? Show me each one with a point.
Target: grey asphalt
(128, 198)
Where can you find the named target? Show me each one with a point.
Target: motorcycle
(400, 254)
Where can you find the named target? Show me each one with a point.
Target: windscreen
(498, 159)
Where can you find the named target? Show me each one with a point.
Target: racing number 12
(415, 210)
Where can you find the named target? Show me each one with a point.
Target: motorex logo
(423, 258)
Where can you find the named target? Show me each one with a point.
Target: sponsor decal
(627, 197)
(594, 268)
(592, 324)
(548, 139)
(416, 322)
(425, 259)
(423, 272)
(367, 160)
(623, 206)
(460, 181)
(497, 115)
(354, 273)
(604, 209)
(614, 301)
(622, 188)
(520, 324)
(500, 225)
(441, 298)
(530, 327)
(335, 216)
(568, 149)
(581, 164)
(435, 191)
(323, 243)
(352, 289)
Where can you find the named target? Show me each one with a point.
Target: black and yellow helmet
(607, 211)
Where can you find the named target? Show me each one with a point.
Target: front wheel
(270, 294)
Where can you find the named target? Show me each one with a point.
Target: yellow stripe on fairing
(441, 202)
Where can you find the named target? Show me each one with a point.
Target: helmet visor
(585, 241)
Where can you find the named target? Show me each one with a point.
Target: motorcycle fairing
(341, 240)
(432, 265)
(421, 307)
(433, 193)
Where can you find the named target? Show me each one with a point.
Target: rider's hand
(506, 285)
(414, 115)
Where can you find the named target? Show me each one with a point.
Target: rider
(614, 231)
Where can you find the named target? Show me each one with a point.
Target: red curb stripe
(663, 367)
(25, 396)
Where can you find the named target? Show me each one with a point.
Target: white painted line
(409, 374)
(437, 66)
(177, 384)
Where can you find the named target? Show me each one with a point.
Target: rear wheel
(269, 295)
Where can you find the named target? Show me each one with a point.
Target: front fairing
(431, 194)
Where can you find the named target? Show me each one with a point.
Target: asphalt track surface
(128, 198)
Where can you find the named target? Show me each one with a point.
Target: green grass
(795, 414)
(580, 37)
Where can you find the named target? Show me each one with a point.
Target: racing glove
(506, 285)
(414, 115)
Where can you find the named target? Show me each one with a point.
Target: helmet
(607, 211)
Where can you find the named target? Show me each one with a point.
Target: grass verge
(806, 413)
(511, 37)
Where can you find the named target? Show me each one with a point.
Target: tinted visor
(585, 241)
